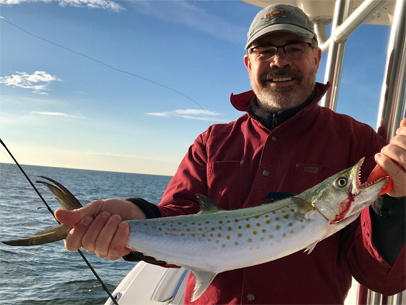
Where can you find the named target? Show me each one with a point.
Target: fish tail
(67, 201)
(49, 235)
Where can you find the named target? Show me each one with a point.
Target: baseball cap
(280, 18)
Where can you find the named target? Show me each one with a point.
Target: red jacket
(237, 164)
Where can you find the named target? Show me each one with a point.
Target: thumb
(70, 218)
(403, 123)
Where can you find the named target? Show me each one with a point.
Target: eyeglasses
(293, 51)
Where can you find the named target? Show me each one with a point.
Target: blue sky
(60, 108)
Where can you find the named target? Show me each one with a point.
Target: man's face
(280, 83)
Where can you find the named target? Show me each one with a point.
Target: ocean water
(49, 274)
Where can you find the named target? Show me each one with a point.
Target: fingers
(392, 159)
(106, 236)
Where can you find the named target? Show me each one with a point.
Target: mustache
(281, 72)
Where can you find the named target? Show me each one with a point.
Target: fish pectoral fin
(303, 206)
(206, 205)
(49, 235)
(311, 247)
(203, 280)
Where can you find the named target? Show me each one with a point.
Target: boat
(149, 284)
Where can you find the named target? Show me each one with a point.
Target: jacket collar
(242, 101)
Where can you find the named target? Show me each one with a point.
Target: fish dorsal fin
(206, 205)
(303, 206)
(203, 280)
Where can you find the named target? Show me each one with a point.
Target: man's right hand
(99, 227)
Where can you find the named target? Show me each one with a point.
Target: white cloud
(38, 81)
(186, 13)
(195, 114)
(57, 114)
(102, 4)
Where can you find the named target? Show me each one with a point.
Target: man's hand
(99, 227)
(395, 151)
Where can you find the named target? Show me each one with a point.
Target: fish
(216, 240)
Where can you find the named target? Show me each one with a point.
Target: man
(284, 143)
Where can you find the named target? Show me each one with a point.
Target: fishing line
(107, 65)
(52, 212)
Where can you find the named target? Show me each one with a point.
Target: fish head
(343, 195)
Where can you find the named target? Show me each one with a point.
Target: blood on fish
(343, 209)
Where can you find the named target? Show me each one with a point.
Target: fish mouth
(357, 187)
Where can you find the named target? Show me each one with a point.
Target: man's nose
(279, 60)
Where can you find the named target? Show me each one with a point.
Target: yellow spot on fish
(213, 228)
(211, 235)
(263, 230)
(258, 224)
(217, 241)
(220, 222)
(163, 224)
(239, 227)
(159, 229)
(173, 229)
(271, 236)
(182, 234)
(219, 235)
(254, 232)
(200, 229)
(236, 243)
(209, 239)
(193, 223)
(229, 228)
(145, 224)
(188, 230)
(261, 239)
(283, 235)
(236, 220)
(273, 212)
(249, 240)
(207, 221)
(248, 225)
(277, 218)
(286, 216)
(204, 235)
(266, 216)
(247, 219)
(179, 223)
(256, 217)
(228, 237)
(277, 227)
(166, 233)
(228, 221)
(239, 235)
(193, 235)
(167, 229)
(268, 222)
(292, 210)
(290, 224)
(199, 224)
(291, 232)
(301, 220)
(223, 245)
(225, 216)
(171, 225)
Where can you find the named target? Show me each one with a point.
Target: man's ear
(317, 58)
(247, 63)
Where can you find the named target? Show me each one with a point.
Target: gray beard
(284, 98)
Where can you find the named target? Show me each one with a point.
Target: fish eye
(341, 182)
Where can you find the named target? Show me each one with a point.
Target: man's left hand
(395, 151)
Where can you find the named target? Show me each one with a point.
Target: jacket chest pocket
(308, 175)
(225, 183)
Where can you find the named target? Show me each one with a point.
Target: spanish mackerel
(215, 240)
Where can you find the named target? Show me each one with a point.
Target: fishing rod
(52, 212)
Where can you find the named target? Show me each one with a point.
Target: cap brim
(280, 28)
